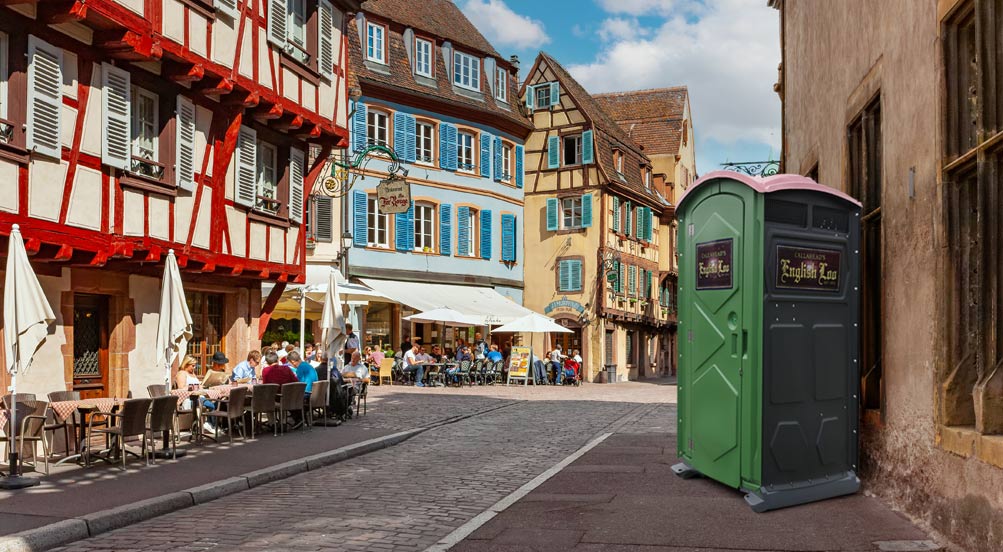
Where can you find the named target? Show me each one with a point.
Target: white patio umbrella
(533, 324)
(445, 316)
(332, 324)
(175, 326)
(26, 319)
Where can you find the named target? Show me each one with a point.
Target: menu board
(807, 268)
(519, 362)
(714, 264)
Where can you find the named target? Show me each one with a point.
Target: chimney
(514, 60)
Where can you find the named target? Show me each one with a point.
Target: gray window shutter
(226, 7)
(325, 40)
(297, 167)
(323, 218)
(185, 149)
(45, 97)
(277, 13)
(115, 104)
(247, 167)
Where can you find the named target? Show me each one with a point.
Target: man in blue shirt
(244, 372)
(494, 355)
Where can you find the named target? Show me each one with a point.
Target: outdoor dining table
(216, 393)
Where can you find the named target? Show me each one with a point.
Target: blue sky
(725, 51)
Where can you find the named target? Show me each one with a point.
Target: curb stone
(45, 537)
(127, 514)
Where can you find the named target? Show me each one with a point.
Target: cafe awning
(482, 303)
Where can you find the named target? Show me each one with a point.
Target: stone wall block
(988, 398)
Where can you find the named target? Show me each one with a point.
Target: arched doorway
(569, 342)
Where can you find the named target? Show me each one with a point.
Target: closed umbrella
(175, 326)
(26, 319)
(532, 324)
(332, 324)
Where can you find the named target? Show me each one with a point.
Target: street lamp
(346, 243)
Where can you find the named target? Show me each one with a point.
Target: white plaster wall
(9, 190)
(68, 123)
(133, 5)
(46, 371)
(203, 121)
(290, 85)
(224, 40)
(276, 249)
(203, 223)
(326, 109)
(264, 65)
(133, 213)
(143, 366)
(91, 141)
(85, 200)
(309, 100)
(174, 21)
(237, 222)
(183, 206)
(258, 236)
(247, 51)
(198, 34)
(69, 74)
(160, 221)
(45, 188)
(292, 235)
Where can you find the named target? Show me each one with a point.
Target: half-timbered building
(594, 220)
(129, 128)
(436, 92)
(659, 121)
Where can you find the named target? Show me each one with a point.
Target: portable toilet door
(717, 296)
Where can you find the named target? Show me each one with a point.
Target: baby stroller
(571, 372)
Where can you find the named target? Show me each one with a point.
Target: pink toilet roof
(768, 184)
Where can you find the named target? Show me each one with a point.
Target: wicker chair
(386, 370)
(234, 411)
(69, 436)
(9, 399)
(31, 419)
(263, 403)
(157, 390)
(291, 401)
(162, 420)
(319, 400)
(131, 423)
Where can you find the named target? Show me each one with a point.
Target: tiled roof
(609, 136)
(397, 73)
(654, 118)
(441, 18)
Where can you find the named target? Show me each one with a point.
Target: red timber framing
(121, 36)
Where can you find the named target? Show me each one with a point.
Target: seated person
(186, 378)
(276, 373)
(414, 362)
(494, 355)
(244, 372)
(463, 354)
(216, 375)
(374, 357)
(356, 372)
(304, 371)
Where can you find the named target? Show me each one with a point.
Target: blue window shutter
(445, 229)
(412, 139)
(555, 93)
(553, 152)
(410, 227)
(485, 234)
(586, 210)
(498, 158)
(508, 238)
(519, 168)
(359, 127)
(360, 226)
(486, 155)
(462, 231)
(616, 214)
(530, 97)
(576, 275)
(587, 151)
(400, 134)
(552, 214)
(447, 146)
(401, 231)
(564, 275)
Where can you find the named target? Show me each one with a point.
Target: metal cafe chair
(162, 420)
(291, 401)
(234, 411)
(319, 398)
(263, 403)
(131, 423)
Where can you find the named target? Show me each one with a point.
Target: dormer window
(466, 71)
(618, 160)
(376, 43)
(423, 57)
(501, 85)
(542, 96)
(647, 177)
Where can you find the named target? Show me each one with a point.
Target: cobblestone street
(407, 497)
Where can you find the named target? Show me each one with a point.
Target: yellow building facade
(595, 229)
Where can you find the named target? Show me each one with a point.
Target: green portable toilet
(769, 299)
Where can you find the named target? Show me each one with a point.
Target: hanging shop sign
(393, 195)
(714, 264)
(563, 304)
(807, 268)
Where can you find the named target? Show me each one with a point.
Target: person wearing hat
(216, 375)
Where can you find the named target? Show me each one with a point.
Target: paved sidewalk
(72, 492)
(622, 495)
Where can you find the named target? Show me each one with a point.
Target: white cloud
(504, 27)
(620, 28)
(727, 57)
(638, 7)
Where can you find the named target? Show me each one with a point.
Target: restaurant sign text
(393, 195)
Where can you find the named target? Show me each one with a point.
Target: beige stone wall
(837, 57)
